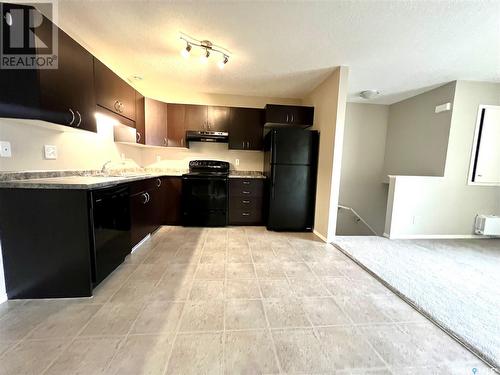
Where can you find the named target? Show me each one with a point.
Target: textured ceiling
(284, 49)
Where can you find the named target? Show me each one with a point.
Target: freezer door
(294, 146)
(291, 198)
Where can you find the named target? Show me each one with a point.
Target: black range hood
(206, 136)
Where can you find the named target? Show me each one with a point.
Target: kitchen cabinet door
(195, 117)
(172, 191)
(19, 90)
(140, 119)
(155, 113)
(245, 129)
(139, 222)
(112, 92)
(218, 118)
(289, 114)
(67, 93)
(176, 131)
(156, 205)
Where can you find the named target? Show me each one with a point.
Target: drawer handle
(245, 202)
(245, 214)
(246, 182)
(245, 192)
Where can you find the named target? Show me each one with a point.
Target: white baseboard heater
(487, 225)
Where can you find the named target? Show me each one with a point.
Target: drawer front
(144, 185)
(246, 203)
(239, 216)
(246, 187)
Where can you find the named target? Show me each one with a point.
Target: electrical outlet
(158, 158)
(5, 151)
(237, 161)
(50, 152)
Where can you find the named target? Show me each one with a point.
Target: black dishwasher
(111, 236)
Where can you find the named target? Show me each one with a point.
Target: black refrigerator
(290, 164)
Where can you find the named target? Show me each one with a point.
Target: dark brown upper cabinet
(19, 89)
(218, 118)
(155, 122)
(140, 118)
(176, 121)
(112, 92)
(195, 117)
(299, 116)
(245, 129)
(67, 93)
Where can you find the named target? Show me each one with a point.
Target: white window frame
(475, 146)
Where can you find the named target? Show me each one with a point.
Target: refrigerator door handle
(273, 180)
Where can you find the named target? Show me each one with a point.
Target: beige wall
(447, 206)
(417, 137)
(85, 150)
(361, 186)
(218, 99)
(179, 157)
(329, 101)
(76, 149)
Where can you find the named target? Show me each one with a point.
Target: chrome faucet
(103, 169)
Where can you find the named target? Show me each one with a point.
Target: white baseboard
(3, 297)
(436, 237)
(320, 235)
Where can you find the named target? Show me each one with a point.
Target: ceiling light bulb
(223, 62)
(185, 51)
(205, 56)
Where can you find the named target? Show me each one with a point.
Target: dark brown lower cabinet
(172, 194)
(246, 201)
(146, 208)
(46, 241)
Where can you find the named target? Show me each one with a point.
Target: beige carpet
(455, 282)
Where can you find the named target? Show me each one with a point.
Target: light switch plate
(50, 152)
(5, 151)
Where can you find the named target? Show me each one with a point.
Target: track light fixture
(208, 48)
(185, 51)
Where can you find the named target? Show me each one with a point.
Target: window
(485, 165)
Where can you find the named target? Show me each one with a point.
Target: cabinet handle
(245, 192)
(246, 182)
(248, 145)
(182, 142)
(245, 214)
(138, 136)
(243, 144)
(117, 106)
(165, 141)
(158, 182)
(149, 197)
(72, 117)
(292, 118)
(145, 196)
(287, 117)
(79, 119)
(245, 202)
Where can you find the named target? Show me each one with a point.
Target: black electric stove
(205, 193)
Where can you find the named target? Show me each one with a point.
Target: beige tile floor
(233, 301)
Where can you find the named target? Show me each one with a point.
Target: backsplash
(80, 150)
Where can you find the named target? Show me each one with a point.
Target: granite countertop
(93, 180)
(246, 174)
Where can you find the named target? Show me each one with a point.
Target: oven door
(204, 201)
